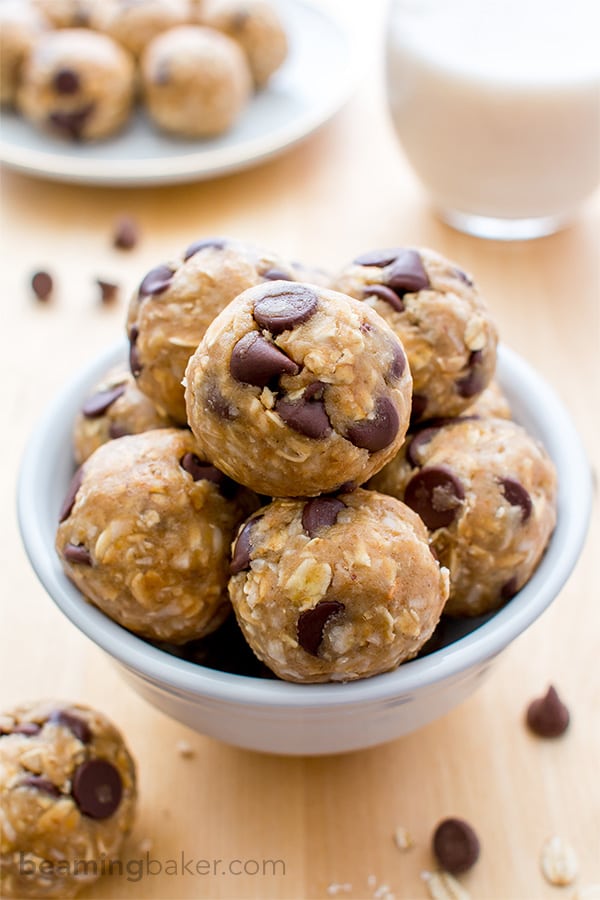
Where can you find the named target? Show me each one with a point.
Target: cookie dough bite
(491, 404)
(135, 25)
(145, 532)
(196, 82)
(66, 13)
(487, 492)
(20, 26)
(437, 312)
(116, 407)
(336, 588)
(78, 84)
(67, 794)
(176, 303)
(256, 26)
(296, 390)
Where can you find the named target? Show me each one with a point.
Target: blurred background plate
(312, 85)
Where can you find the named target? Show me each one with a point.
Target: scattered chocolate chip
(215, 243)
(516, 495)
(508, 590)
(115, 430)
(99, 403)
(135, 363)
(320, 512)
(77, 554)
(548, 716)
(307, 417)
(283, 306)
(75, 724)
(126, 234)
(407, 274)
(218, 405)
(456, 846)
(156, 281)
(419, 405)
(69, 501)
(312, 622)
(27, 728)
(109, 291)
(72, 123)
(379, 258)
(464, 277)
(436, 494)
(97, 788)
(379, 430)
(201, 471)
(39, 783)
(66, 81)
(276, 275)
(242, 549)
(385, 293)
(42, 285)
(398, 363)
(474, 381)
(255, 360)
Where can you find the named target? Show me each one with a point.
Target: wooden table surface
(330, 820)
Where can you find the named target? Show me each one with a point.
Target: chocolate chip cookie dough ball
(20, 26)
(67, 795)
(66, 13)
(145, 533)
(296, 390)
(116, 407)
(437, 312)
(176, 303)
(256, 26)
(487, 492)
(78, 84)
(135, 24)
(336, 588)
(196, 81)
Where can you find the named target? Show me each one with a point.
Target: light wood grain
(331, 819)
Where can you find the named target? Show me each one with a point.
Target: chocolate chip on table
(134, 357)
(71, 123)
(455, 846)
(109, 290)
(75, 724)
(284, 306)
(201, 471)
(69, 501)
(548, 716)
(407, 274)
(385, 293)
(215, 243)
(320, 512)
(77, 554)
(39, 783)
(516, 495)
(155, 281)
(99, 403)
(312, 622)
(379, 258)
(42, 285)
(307, 417)
(378, 431)
(126, 233)
(97, 788)
(474, 381)
(436, 495)
(255, 360)
(242, 549)
(66, 81)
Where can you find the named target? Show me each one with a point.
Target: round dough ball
(20, 26)
(296, 390)
(135, 24)
(67, 795)
(437, 312)
(176, 303)
(78, 84)
(256, 26)
(487, 492)
(116, 407)
(66, 13)
(336, 588)
(491, 404)
(145, 533)
(196, 81)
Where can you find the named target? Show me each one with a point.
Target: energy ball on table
(176, 303)
(135, 23)
(196, 81)
(115, 408)
(437, 312)
(256, 26)
(296, 390)
(336, 588)
(67, 795)
(78, 84)
(145, 532)
(20, 26)
(66, 13)
(487, 492)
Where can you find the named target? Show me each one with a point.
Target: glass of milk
(497, 106)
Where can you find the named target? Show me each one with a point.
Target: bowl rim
(187, 678)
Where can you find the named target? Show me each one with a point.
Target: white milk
(497, 102)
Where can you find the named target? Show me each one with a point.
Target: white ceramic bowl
(274, 716)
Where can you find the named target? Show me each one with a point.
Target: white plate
(312, 85)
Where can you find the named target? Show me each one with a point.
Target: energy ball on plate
(256, 26)
(336, 588)
(67, 796)
(135, 23)
(175, 303)
(66, 13)
(437, 312)
(145, 532)
(115, 408)
(487, 492)
(196, 81)
(20, 26)
(296, 390)
(78, 84)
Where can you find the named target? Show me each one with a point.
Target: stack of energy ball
(328, 455)
(76, 67)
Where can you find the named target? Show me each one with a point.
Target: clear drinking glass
(497, 106)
